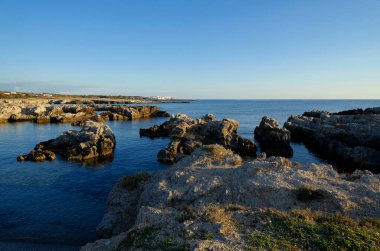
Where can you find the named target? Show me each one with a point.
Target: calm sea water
(62, 202)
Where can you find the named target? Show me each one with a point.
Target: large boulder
(273, 140)
(188, 134)
(94, 141)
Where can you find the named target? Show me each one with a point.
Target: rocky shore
(348, 138)
(216, 195)
(189, 134)
(213, 200)
(45, 113)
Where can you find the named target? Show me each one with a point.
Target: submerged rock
(211, 200)
(273, 140)
(188, 134)
(350, 138)
(94, 141)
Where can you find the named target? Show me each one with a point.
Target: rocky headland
(349, 138)
(94, 141)
(213, 200)
(188, 134)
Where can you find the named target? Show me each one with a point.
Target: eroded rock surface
(273, 140)
(45, 113)
(188, 134)
(37, 155)
(130, 112)
(94, 141)
(211, 200)
(352, 141)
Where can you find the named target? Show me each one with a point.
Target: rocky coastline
(217, 194)
(44, 113)
(348, 138)
(213, 199)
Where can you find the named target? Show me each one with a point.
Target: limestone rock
(94, 141)
(188, 134)
(76, 114)
(211, 200)
(350, 139)
(273, 140)
(37, 155)
(130, 112)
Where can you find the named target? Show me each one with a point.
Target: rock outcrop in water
(130, 112)
(274, 141)
(211, 200)
(349, 138)
(37, 155)
(188, 134)
(94, 141)
(44, 113)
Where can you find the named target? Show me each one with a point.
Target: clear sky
(192, 48)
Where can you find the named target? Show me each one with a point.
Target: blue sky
(192, 48)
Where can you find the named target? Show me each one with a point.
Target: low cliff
(212, 200)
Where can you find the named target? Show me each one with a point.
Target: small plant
(132, 182)
(308, 194)
(207, 236)
(219, 215)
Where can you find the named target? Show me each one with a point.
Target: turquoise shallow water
(62, 202)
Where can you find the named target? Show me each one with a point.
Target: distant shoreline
(96, 99)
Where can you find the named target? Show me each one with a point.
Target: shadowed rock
(350, 139)
(273, 140)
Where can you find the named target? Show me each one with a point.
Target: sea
(57, 205)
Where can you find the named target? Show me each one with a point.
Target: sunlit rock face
(94, 141)
(188, 134)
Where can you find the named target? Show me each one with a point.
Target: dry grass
(218, 152)
(219, 215)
